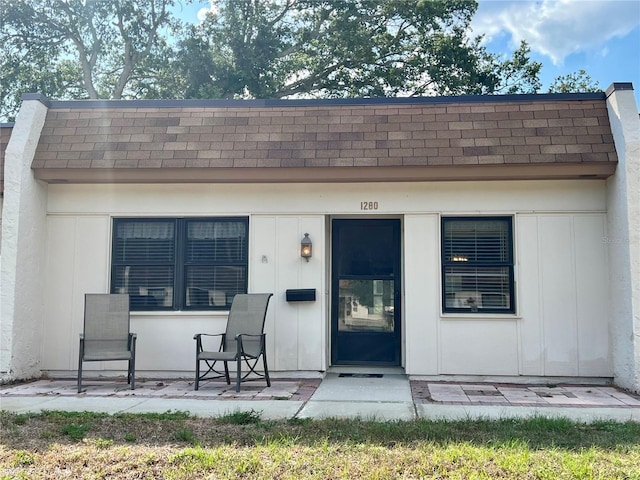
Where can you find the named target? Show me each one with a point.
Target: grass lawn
(56, 445)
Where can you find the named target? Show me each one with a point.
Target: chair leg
(132, 362)
(80, 355)
(132, 373)
(266, 370)
(80, 376)
(197, 380)
(239, 373)
(226, 372)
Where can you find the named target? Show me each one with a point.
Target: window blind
(179, 263)
(477, 265)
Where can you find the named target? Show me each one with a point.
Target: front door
(365, 292)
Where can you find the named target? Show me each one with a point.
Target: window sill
(180, 313)
(480, 316)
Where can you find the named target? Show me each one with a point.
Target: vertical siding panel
(592, 296)
(262, 274)
(59, 341)
(73, 269)
(91, 274)
(421, 294)
(312, 324)
(530, 328)
(288, 264)
(558, 293)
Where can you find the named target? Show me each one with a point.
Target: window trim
(509, 264)
(180, 263)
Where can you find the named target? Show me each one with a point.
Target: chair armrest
(240, 335)
(198, 335)
(198, 338)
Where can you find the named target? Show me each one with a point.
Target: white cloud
(558, 28)
(212, 8)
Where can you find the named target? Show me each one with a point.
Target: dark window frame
(508, 263)
(180, 263)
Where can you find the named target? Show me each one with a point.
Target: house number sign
(368, 205)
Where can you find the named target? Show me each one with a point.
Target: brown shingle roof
(243, 141)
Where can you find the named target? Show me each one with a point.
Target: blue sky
(599, 36)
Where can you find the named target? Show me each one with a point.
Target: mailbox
(301, 295)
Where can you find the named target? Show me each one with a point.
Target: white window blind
(477, 264)
(179, 263)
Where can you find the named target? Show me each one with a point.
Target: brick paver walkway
(302, 389)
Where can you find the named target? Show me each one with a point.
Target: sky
(601, 37)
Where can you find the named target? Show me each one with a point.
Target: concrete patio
(380, 397)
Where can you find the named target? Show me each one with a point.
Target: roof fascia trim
(547, 171)
(280, 103)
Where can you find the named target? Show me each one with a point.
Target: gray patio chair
(243, 340)
(106, 334)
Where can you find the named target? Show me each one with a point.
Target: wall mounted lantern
(306, 247)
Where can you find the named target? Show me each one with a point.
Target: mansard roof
(345, 140)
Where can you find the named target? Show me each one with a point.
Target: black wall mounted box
(301, 295)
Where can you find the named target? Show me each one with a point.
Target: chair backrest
(106, 322)
(247, 316)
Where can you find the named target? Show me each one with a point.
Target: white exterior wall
(623, 199)
(23, 249)
(561, 326)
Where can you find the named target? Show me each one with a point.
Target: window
(477, 264)
(179, 263)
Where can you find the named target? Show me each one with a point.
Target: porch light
(306, 247)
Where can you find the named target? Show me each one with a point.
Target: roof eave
(548, 171)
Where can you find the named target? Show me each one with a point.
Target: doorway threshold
(364, 370)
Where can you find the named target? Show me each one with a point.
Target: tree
(575, 82)
(337, 48)
(255, 49)
(83, 49)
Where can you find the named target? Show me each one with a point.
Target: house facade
(457, 236)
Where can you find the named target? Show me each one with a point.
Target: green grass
(176, 446)
(241, 418)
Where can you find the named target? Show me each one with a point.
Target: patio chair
(243, 340)
(106, 334)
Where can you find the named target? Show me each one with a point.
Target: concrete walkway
(376, 397)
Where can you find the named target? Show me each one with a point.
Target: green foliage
(577, 82)
(168, 415)
(76, 431)
(335, 48)
(21, 419)
(23, 458)
(185, 435)
(241, 418)
(60, 416)
(103, 443)
(82, 49)
(135, 49)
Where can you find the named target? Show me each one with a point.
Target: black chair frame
(251, 361)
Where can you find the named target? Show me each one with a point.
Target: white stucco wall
(561, 327)
(23, 249)
(623, 198)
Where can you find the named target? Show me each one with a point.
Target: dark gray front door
(365, 309)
